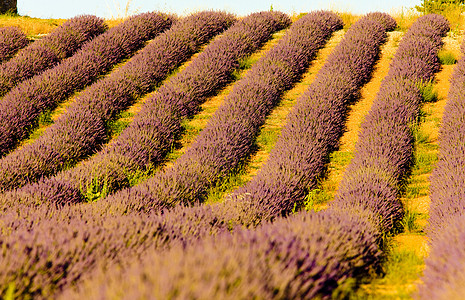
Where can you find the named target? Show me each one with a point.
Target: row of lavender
(316, 122)
(20, 108)
(307, 255)
(83, 128)
(302, 257)
(444, 276)
(384, 151)
(47, 52)
(34, 234)
(12, 40)
(228, 137)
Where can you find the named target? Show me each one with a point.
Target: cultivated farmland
(213, 156)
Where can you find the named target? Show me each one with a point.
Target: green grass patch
(446, 57)
(315, 198)
(325, 191)
(416, 189)
(96, 190)
(419, 135)
(429, 92)
(116, 126)
(226, 185)
(340, 159)
(425, 161)
(267, 138)
(409, 222)
(189, 132)
(244, 64)
(425, 158)
(44, 120)
(136, 177)
(402, 266)
(425, 149)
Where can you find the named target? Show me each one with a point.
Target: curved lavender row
(315, 123)
(45, 53)
(11, 40)
(82, 129)
(302, 257)
(384, 150)
(443, 276)
(20, 108)
(147, 138)
(447, 183)
(228, 137)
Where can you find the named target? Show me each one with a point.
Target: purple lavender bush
(443, 276)
(47, 253)
(315, 124)
(12, 39)
(384, 151)
(384, 19)
(20, 108)
(83, 128)
(447, 183)
(47, 52)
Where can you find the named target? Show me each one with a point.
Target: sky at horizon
(117, 8)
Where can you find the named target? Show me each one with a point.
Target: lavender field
(213, 156)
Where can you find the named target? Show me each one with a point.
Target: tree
(8, 6)
(438, 6)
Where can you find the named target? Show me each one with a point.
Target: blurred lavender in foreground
(305, 256)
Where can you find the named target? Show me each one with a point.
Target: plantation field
(213, 156)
